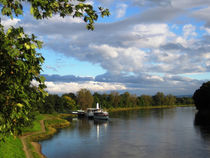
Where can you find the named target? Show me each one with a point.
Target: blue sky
(145, 46)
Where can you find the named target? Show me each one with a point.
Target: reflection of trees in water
(84, 127)
(202, 118)
(202, 124)
(130, 114)
(144, 113)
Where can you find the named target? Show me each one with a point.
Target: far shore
(147, 107)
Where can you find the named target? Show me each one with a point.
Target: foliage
(114, 100)
(41, 9)
(159, 98)
(184, 100)
(146, 100)
(201, 97)
(69, 103)
(19, 65)
(84, 99)
(35, 125)
(170, 100)
(56, 104)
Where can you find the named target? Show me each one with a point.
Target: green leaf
(32, 10)
(27, 46)
(42, 79)
(33, 46)
(20, 105)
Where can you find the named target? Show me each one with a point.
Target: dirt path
(36, 145)
(22, 138)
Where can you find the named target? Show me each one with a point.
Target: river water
(154, 133)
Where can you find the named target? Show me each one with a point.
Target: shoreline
(49, 125)
(51, 122)
(146, 107)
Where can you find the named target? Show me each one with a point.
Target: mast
(97, 105)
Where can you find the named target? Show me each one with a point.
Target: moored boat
(100, 114)
(80, 113)
(90, 112)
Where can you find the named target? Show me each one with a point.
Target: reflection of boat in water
(101, 122)
(101, 126)
(100, 114)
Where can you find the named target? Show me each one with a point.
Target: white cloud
(206, 55)
(132, 48)
(148, 35)
(9, 22)
(141, 84)
(118, 59)
(189, 31)
(121, 10)
(206, 29)
(66, 87)
(138, 45)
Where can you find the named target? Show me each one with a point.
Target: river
(154, 133)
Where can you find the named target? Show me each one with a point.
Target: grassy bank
(52, 123)
(35, 127)
(145, 107)
(13, 147)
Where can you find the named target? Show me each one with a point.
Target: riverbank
(26, 146)
(44, 127)
(146, 107)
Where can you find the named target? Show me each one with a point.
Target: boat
(80, 113)
(90, 112)
(100, 113)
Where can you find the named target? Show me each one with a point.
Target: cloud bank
(147, 52)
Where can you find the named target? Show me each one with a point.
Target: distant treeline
(84, 99)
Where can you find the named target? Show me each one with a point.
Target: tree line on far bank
(84, 99)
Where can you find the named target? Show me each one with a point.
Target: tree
(147, 100)
(41, 9)
(116, 100)
(84, 99)
(71, 95)
(69, 103)
(170, 100)
(158, 98)
(201, 97)
(20, 64)
(49, 105)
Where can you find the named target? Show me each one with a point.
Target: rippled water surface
(156, 133)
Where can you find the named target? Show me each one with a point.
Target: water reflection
(84, 127)
(159, 133)
(100, 125)
(202, 124)
(145, 114)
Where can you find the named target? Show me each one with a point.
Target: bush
(201, 97)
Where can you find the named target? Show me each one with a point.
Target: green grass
(35, 127)
(11, 148)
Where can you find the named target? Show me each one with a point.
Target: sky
(144, 47)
